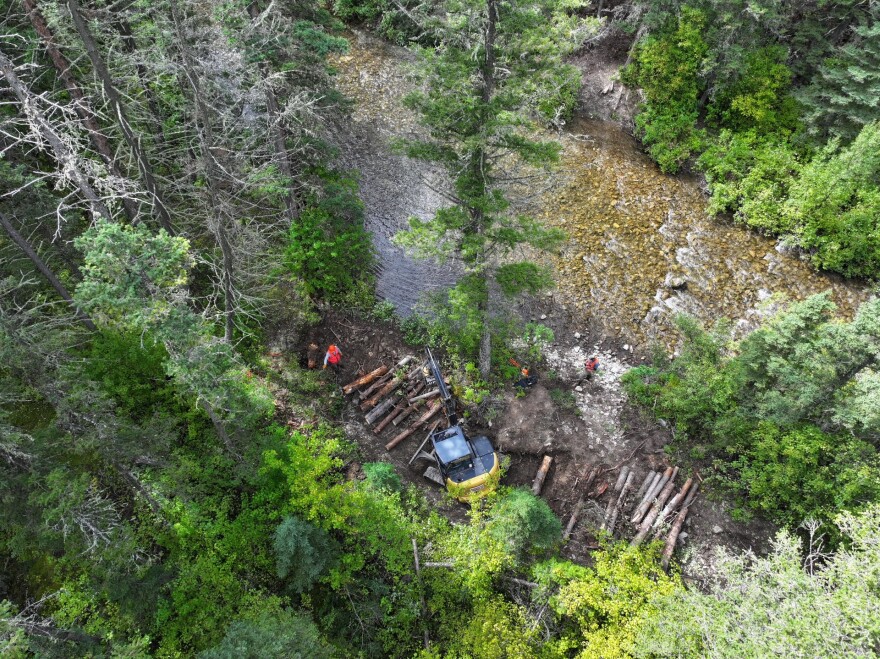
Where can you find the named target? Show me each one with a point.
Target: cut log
(384, 391)
(401, 406)
(621, 478)
(538, 483)
(645, 485)
(672, 505)
(674, 532)
(313, 355)
(659, 484)
(657, 506)
(380, 409)
(360, 382)
(580, 504)
(378, 384)
(617, 506)
(433, 392)
(409, 410)
(409, 431)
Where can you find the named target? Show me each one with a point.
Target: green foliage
(606, 607)
(822, 608)
(303, 553)
(524, 524)
(565, 400)
(328, 248)
(130, 369)
(841, 98)
(326, 256)
(805, 473)
(666, 68)
(526, 277)
(277, 634)
(835, 205)
(381, 476)
(758, 100)
(750, 176)
(776, 411)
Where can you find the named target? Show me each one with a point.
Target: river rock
(675, 282)
(716, 529)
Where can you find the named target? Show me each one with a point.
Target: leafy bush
(758, 99)
(327, 253)
(131, 368)
(835, 205)
(382, 477)
(667, 67)
(804, 473)
(750, 176)
(524, 523)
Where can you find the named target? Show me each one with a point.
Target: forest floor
(580, 423)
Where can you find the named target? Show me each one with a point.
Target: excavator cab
(468, 467)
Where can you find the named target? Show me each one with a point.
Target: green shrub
(750, 176)
(131, 369)
(804, 473)
(279, 634)
(382, 477)
(524, 524)
(667, 67)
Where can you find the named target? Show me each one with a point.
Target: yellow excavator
(467, 467)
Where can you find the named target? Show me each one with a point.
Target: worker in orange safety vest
(333, 357)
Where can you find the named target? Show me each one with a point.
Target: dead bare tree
(120, 116)
(40, 265)
(81, 104)
(71, 167)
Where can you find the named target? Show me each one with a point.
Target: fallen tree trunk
(367, 379)
(580, 504)
(380, 409)
(659, 483)
(617, 506)
(409, 431)
(433, 392)
(674, 532)
(655, 510)
(672, 505)
(384, 391)
(621, 478)
(649, 480)
(378, 384)
(401, 406)
(538, 483)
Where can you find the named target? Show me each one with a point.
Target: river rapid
(641, 246)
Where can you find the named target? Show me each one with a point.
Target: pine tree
(844, 97)
(497, 66)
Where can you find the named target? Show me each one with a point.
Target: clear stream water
(641, 245)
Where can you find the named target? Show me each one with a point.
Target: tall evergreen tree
(497, 66)
(844, 97)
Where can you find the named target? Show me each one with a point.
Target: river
(641, 245)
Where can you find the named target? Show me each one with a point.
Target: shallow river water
(641, 245)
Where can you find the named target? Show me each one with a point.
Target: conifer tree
(498, 65)
(843, 97)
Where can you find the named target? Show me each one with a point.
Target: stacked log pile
(659, 506)
(389, 396)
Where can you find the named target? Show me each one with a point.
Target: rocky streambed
(641, 246)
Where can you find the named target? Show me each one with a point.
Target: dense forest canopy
(173, 483)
